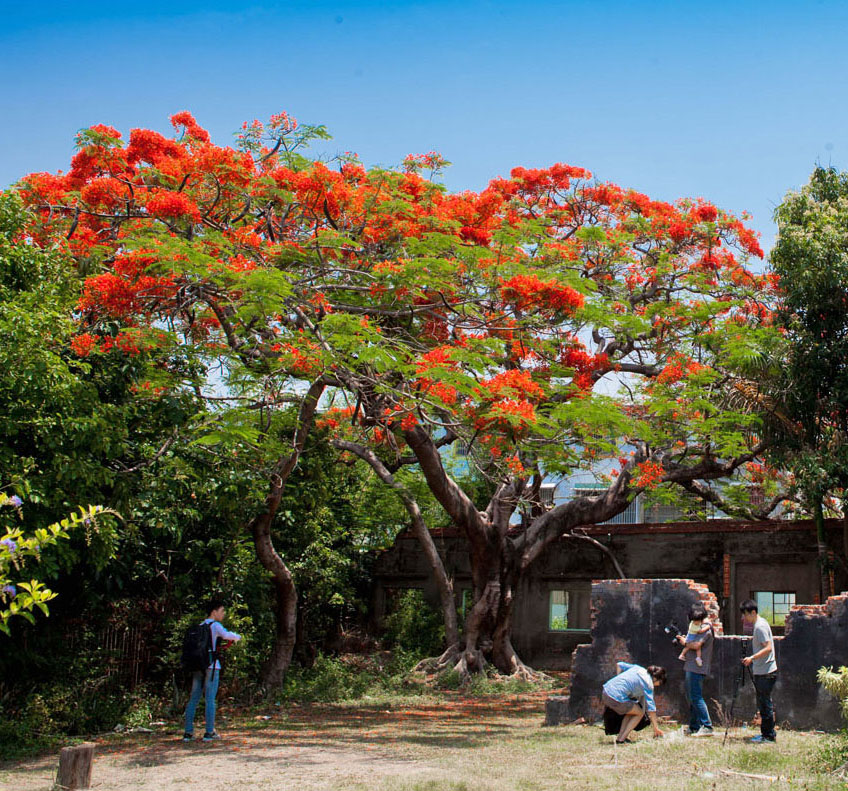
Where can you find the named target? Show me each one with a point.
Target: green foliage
(414, 625)
(449, 679)
(17, 551)
(836, 683)
(336, 679)
(482, 685)
(811, 259)
(76, 708)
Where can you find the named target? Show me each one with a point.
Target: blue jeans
(209, 690)
(699, 715)
(764, 685)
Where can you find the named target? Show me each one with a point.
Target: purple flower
(10, 545)
(10, 590)
(15, 501)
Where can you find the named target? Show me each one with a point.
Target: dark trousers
(764, 685)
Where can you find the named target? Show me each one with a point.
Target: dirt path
(452, 744)
(225, 767)
(309, 749)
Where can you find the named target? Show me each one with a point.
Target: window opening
(558, 611)
(774, 606)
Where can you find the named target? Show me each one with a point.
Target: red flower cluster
(84, 344)
(650, 475)
(585, 365)
(529, 292)
(301, 360)
(174, 205)
(677, 368)
(511, 384)
(705, 213)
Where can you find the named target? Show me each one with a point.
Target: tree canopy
(546, 324)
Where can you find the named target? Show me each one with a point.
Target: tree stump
(75, 767)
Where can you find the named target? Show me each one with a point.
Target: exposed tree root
(512, 667)
(471, 663)
(438, 664)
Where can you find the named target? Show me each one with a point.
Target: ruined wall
(628, 617)
(732, 558)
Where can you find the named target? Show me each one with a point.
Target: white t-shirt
(220, 633)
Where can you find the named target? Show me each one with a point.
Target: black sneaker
(211, 737)
(188, 737)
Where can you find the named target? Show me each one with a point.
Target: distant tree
(810, 257)
(539, 326)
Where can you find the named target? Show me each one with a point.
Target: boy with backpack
(200, 658)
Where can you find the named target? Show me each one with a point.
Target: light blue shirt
(633, 683)
(220, 633)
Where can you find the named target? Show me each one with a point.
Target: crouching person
(631, 694)
(200, 657)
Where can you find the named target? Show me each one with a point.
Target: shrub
(835, 752)
(348, 677)
(414, 626)
(836, 683)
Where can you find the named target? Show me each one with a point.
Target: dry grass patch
(441, 743)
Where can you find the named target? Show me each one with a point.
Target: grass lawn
(433, 743)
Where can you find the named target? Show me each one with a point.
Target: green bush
(500, 685)
(834, 753)
(449, 679)
(414, 626)
(336, 679)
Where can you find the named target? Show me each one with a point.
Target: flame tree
(542, 324)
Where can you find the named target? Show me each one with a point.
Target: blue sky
(735, 102)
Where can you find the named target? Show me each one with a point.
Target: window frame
(772, 621)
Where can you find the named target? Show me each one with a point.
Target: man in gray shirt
(763, 663)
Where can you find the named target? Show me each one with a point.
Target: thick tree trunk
(821, 544)
(260, 529)
(278, 663)
(488, 627)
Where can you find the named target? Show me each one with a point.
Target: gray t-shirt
(690, 666)
(763, 635)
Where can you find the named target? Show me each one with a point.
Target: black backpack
(197, 648)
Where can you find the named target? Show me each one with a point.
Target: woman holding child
(697, 656)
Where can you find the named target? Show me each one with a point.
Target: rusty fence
(123, 652)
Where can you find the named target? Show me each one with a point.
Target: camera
(672, 631)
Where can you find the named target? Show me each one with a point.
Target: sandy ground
(308, 748)
(447, 744)
(230, 765)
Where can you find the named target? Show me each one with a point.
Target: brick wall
(627, 623)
